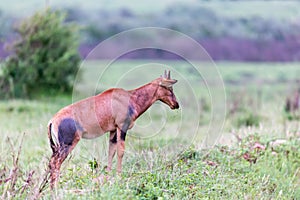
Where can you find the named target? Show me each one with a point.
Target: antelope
(114, 110)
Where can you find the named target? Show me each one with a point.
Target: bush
(248, 119)
(45, 57)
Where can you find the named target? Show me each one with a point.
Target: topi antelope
(114, 111)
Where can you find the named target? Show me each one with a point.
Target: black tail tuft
(52, 144)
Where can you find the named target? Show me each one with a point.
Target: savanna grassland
(168, 155)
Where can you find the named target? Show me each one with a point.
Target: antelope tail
(52, 143)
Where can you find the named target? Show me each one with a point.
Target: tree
(45, 57)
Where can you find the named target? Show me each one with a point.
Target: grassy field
(284, 10)
(167, 154)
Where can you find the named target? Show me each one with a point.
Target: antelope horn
(169, 74)
(165, 75)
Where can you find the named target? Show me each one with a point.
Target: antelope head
(165, 91)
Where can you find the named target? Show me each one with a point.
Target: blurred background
(254, 44)
(228, 30)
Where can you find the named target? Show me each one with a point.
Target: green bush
(248, 119)
(45, 57)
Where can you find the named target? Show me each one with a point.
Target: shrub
(248, 119)
(45, 57)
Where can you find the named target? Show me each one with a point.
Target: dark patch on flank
(114, 139)
(126, 125)
(130, 111)
(123, 135)
(66, 131)
(128, 119)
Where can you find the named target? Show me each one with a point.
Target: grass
(262, 9)
(284, 10)
(165, 152)
(221, 172)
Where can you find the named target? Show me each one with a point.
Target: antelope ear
(167, 82)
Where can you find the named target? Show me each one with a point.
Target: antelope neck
(143, 97)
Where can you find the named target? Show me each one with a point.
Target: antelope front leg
(120, 148)
(112, 149)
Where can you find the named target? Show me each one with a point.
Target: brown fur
(114, 111)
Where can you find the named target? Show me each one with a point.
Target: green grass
(25, 8)
(192, 176)
(284, 10)
(165, 152)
